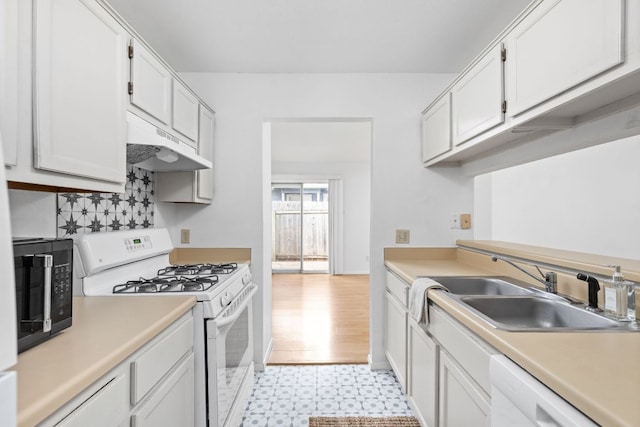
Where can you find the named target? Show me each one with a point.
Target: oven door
(229, 354)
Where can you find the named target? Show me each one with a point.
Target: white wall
(585, 201)
(403, 193)
(356, 179)
(33, 213)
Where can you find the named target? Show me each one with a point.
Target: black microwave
(44, 274)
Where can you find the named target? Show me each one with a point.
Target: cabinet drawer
(154, 363)
(398, 288)
(107, 407)
(469, 351)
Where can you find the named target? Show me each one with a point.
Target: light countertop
(597, 372)
(188, 255)
(105, 331)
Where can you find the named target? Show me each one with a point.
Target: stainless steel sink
(536, 314)
(463, 285)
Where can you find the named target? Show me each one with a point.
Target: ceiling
(321, 142)
(318, 36)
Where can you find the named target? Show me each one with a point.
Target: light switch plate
(185, 235)
(403, 236)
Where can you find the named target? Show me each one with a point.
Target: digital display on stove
(138, 243)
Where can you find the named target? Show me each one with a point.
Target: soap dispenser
(619, 297)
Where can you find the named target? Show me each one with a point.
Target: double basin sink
(512, 305)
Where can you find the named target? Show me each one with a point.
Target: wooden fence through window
(286, 231)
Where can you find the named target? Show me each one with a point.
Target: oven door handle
(227, 317)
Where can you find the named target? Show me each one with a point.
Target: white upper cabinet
(477, 99)
(79, 90)
(185, 111)
(436, 129)
(9, 79)
(204, 185)
(191, 186)
(561, 44)
(150, 87)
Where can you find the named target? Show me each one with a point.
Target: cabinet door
(559, 45)
(151, 83)
(171, 404)
(204, 178)
(80, 90)
(185, 112)
(396, 338)
(462, 402)
(436, 129)
(9, 80)
(107, 407)
(423, 375)
(476, 100)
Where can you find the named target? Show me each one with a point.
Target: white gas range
(136, 262)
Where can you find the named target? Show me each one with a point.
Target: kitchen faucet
(550, 281)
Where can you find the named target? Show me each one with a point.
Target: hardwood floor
(320, 318)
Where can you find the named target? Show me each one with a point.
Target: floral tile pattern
(289, 395)
(80, 213)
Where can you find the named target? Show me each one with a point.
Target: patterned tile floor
(289, 395)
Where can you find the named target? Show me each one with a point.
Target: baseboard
(378, 366)
(346, 273)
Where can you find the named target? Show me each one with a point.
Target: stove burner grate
(168, 284)
(198, 269)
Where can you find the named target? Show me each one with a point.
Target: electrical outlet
(403, 236)
(454, 221)
(465, 221)
(185, 235)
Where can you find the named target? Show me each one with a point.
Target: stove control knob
(225, 299)
(246, 279)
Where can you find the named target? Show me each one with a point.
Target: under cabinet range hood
(151, 148)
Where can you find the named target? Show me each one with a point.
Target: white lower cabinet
(422, 390)
(172, 404)
(395, 344)
(107, 407)
(442, 366)
(154, 387)
(462, 402)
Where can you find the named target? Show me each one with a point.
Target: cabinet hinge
(504, 106)
(130, 52)
(503, 54)
(130, 88)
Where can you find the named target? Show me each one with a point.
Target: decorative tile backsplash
(80, 213)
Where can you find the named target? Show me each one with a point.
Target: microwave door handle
(46, 318)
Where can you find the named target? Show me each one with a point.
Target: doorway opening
(316, 223)
(300, 227)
